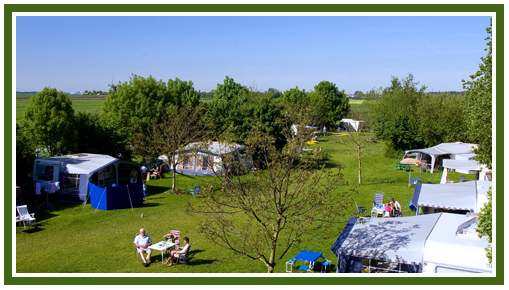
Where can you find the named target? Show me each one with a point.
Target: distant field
(71, 96)
(87, 106)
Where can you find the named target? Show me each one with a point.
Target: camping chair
(24, 216)
(195, 190)
(185, 257)
(176, 234)
(360, 210)
(378, 204)
(157, 173)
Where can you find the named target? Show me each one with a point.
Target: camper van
(73, 173)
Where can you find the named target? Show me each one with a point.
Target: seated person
(176, 253)
(315, 138)
(387, 210)
(144, 171)
(142, 242)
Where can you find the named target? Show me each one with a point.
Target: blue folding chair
(195, 190)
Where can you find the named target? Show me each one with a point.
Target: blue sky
(357, 53)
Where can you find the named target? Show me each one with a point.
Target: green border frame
(498, 9)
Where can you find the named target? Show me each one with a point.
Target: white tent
(417, 240)
(449, 250)
(456, 151)
(468, 195)
(353, 123)
(462, 166)
(206, 159)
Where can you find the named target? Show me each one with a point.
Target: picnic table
(311, 258)
(403, 166)
(162, 246)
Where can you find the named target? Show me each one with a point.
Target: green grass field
(72, 238)
(87, 106)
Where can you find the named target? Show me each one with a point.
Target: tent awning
(462, 165)
(460, 196)
(392, 239)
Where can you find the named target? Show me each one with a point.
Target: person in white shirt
(142, 242)
(176, 253)
(397, 208)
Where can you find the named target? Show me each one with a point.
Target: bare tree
(356, 140)
(263, 213)
(171, 134)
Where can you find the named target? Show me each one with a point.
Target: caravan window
(43, 172)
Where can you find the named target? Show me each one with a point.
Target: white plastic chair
(24, 216)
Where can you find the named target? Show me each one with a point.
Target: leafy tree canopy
(330, 104)
(478, 106)
(48, 122)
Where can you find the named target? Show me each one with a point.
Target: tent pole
(130, 197)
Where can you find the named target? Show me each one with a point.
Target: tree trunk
(359, 158)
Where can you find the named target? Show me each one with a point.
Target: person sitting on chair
(142, 242)
(397, 207)
(175, 254)
(388, 209)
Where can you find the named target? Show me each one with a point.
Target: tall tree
(48, 122)
(264, 213)
(183, 93)
(330, 103)
(478, 106)
(479, 117)
(95, 137)
(25, 156)
(136, 102)
(170, 134)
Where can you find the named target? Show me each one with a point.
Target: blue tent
(116, 197)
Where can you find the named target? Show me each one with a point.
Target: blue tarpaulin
(121, 197)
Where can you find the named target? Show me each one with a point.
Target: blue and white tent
(78, 173)
(411, 244)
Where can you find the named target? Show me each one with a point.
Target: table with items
(162, 246)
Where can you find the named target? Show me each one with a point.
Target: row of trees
(269, 210)
(408, 118)
(51, 126)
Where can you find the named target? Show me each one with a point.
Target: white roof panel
(445, 247)
(460, 195)
(391, 239)
(83, 163)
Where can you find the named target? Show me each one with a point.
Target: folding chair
(360, 210)
(24, 216)
(195, 190)
(378, 204)
(185, 257)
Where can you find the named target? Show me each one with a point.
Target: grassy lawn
(95, 241)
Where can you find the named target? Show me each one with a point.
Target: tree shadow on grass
(193, 261)
(151, 204)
